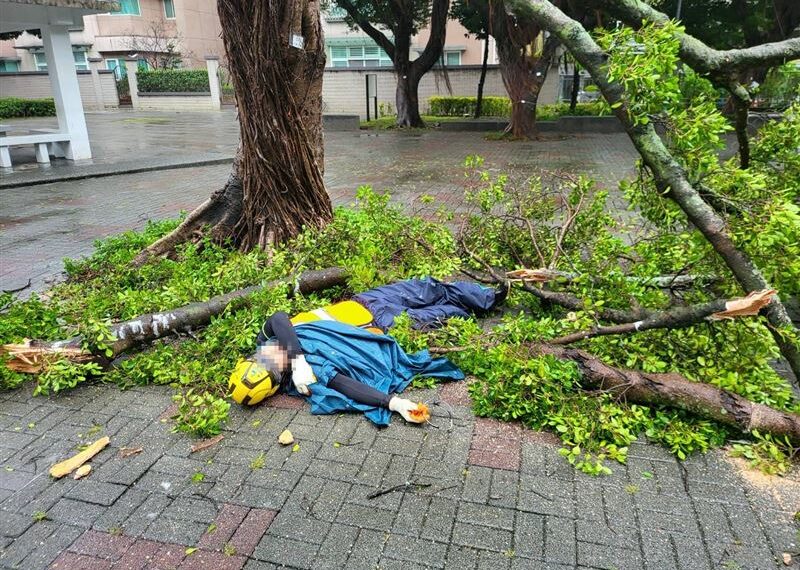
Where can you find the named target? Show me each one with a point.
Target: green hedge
(465, 106)
(501, 107)
(173, 81)
(11, 107)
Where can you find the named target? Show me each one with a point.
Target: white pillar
(94, 67)
(67, 95)
(212, 64)
(131, 67)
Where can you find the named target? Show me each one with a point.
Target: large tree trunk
(482, 80)
(523, 74)
(276, 55)
(407, 99)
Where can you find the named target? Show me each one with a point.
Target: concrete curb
(110, 170)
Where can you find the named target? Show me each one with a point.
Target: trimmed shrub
(465, 106)
(501, 107)
(11, 107)
(173, 81)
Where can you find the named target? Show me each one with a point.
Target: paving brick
(260, 497)
(101, 545)
(439, 520)
(14, 524)
(609, 557)
(559, 540)
(336, 548)
(416, 550)
(225, 524)
(169, 557)
(367, 550)
(140, 554)
(461, 557)
(486, 515)
(364, 517)
(70, 561)
(144, 515)
(204, 560)
(96, 492)
(286, 552)
(47, 551)
(484, 538)
(175, 531)
(191, 509)
(75, 513)
(252, 529)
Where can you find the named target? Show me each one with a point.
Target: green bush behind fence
(501, 107)
(173, 81)
(11, 107)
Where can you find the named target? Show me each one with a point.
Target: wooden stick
(69, 465)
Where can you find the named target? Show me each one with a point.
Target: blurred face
(271, 356)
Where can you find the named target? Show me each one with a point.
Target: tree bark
(135, 332)
(674, 390)
(482, 80)
(576, 86)
(523, 74)
(276, 187)
(407, 99)
(667, 172)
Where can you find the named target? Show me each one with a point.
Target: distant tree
(158, 47)
(525, 57)
(402, 20)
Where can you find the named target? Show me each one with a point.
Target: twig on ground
(407, 486)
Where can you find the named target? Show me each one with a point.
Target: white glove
(302, 375)
(404, 408)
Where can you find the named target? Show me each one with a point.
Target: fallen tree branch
(675, 390)
(680, 317)
(671, 390)
(31, 356)
(668, 173)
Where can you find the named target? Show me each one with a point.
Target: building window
(8, 66)
(81, 63)
(78, 56)
(169, 9)
(117, 67)
(358, 56)
(452, 58)
(129, 7)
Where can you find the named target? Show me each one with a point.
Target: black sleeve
(280, 327)
(359, 392)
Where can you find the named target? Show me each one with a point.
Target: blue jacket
(332, 347)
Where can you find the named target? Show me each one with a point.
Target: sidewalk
(482, 494)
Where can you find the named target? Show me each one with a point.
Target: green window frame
(358, 56)
(9, 66)
(169, 9)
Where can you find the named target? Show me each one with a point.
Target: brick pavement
(489, 495)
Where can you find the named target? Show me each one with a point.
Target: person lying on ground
(339, 357)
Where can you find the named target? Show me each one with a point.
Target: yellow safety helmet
(250, 383)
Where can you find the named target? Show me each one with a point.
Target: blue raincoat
(331, 347)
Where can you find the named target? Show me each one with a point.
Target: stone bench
(45, 141)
